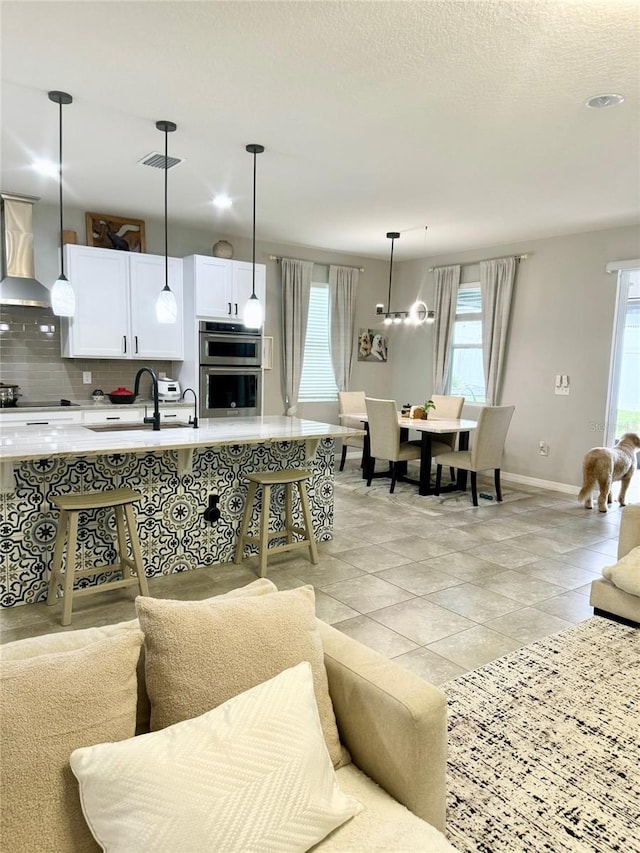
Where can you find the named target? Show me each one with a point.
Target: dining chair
(351, 401)
(384, 439)
(448, 408)
(486, 452)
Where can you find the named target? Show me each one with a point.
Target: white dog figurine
(604, 465)
(379, 347)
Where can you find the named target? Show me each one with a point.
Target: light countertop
(69, 440)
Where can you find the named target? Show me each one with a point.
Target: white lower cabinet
(19, 419)
(115, 315)
(113, 415)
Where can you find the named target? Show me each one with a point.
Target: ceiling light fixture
(222, 202)
(252, 314)
(416, 315)
(599, 102)
(46, 167)
(63, 299)
(166, 306)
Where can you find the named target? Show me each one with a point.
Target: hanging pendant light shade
(63, 299)
(166, 305)
(253, 314)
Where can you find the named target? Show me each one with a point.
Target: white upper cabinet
(221, 287)
(115, 314)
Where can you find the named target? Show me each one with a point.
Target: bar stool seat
(289, 478)
(121, 500)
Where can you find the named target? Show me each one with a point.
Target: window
(467, 369)
(317, 383)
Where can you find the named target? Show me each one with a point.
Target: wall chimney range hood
(19, 285)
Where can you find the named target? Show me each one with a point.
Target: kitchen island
(176, 469)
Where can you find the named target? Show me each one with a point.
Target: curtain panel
(496, 286)
(343, 283)
(296, 288)
(447, 282)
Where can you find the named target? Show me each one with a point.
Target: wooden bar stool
(288, 478)
(70, 507)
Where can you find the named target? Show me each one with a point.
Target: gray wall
(562, 321)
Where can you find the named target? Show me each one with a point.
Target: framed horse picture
(115, 232)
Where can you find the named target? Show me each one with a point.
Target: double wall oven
(230, 370)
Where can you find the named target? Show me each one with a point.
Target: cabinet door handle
(229, 308)
(112, 418)
(236, 304)
(124, 338)
(136, 339)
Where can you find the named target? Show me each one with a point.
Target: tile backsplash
(30, 357)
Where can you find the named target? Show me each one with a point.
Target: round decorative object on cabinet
(223, 249)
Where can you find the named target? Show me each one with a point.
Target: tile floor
(436, 584)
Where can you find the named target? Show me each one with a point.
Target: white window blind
(317, 383)
(467, 371)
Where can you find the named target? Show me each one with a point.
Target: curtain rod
(473, 263)
(277, 259)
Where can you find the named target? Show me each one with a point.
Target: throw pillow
(49, 706)
(253, 774)
(625, 574)
(199, 654)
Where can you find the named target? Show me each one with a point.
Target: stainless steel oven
(230, 370)
(230, 391)
(229, 344)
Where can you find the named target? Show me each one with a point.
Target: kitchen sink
(120, 427)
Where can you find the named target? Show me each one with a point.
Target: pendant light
(390, 318)
(166, 306)
(63, 299)
(253, 314)
(416, 315)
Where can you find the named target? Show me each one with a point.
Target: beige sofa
(393, 723)
(608, 599)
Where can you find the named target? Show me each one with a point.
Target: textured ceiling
(467, 117)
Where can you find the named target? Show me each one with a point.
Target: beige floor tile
(528, 624)
(520, 587)
(464, 565)
(454, 540)
(380, 532)
(474, 602)
(421, 620)
(418, 578)
(504, 554)
(608, 547)
(376, 636)
(572, 606)
(539, 544)
(430, 666)
(415, 548)
(331, 610)
(561, 574)
(328, 571)
(343, 541)
(474, 647)
(583, 558)
(366, 593)
(373, 558)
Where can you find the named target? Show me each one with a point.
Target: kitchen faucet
(193, 421)
(155, 418)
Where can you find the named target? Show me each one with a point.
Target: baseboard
(549, 485)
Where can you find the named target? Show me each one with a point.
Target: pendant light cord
(390, 274)
(166, 227)
(60, 188)
(253, 269)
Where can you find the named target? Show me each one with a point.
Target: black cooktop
(50, 404)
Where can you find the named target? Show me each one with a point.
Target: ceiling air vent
(158, 161)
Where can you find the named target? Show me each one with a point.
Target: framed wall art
(115, 232)
(372, 345)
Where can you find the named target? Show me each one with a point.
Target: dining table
(427, 427)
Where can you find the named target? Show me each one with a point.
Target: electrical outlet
(86, 377)
(543, 448)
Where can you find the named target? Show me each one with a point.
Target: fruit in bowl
(122, 395)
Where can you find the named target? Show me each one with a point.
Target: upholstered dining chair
(447, 408)
(486, 451)
(348, 402)
(384, 439)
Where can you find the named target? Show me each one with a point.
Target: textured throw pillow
(50, 705)
(200, 654)
(625, 574)
(252, 775)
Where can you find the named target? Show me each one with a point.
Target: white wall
(561, 322)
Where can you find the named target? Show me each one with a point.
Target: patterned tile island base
(173, 533)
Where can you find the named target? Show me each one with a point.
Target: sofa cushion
(50, 705)
(199, 654)
(382, 825)
(252, 774)
(625, 574)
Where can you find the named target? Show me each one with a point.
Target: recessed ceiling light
(222, 202)
(599, 102)
(45, 167)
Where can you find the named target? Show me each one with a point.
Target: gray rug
(544, 746)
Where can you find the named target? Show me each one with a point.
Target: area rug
(544, 746)
(350, 480)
